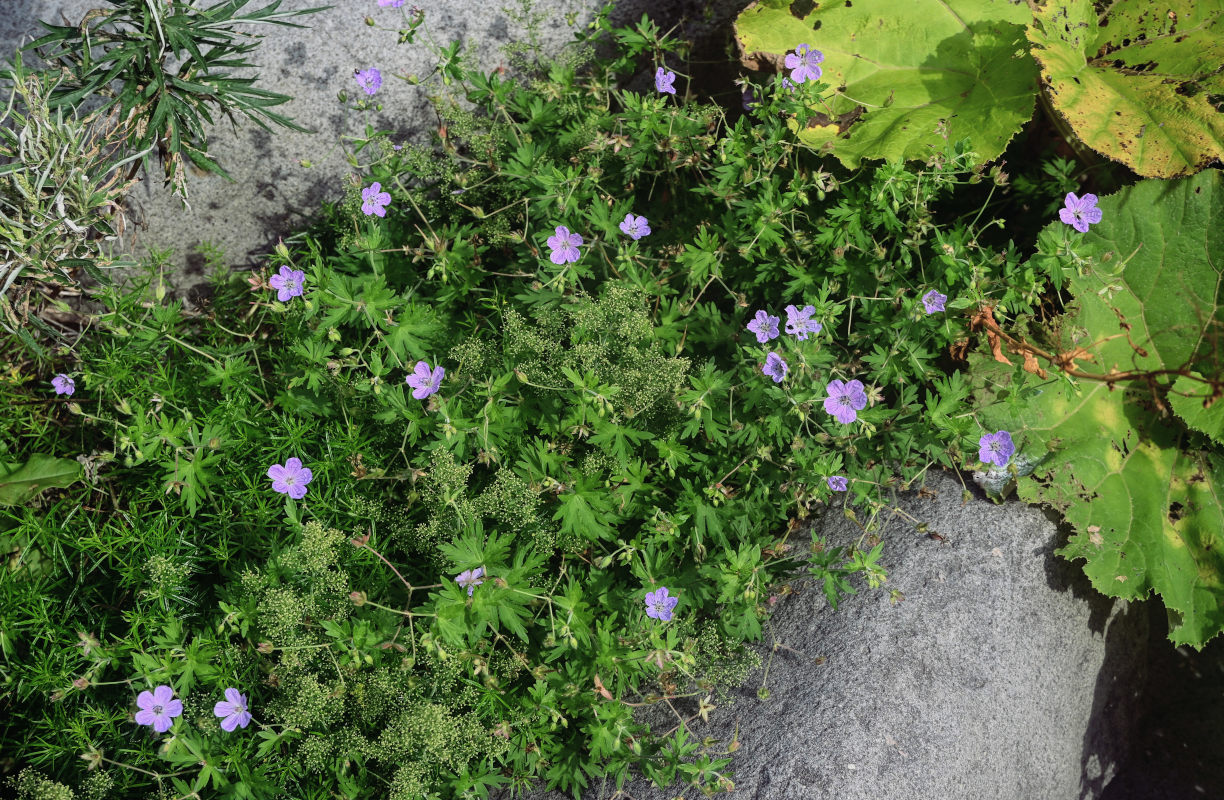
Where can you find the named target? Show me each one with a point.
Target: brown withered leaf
(1031, 365)
(599, 687)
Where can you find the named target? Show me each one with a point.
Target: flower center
(157, 710)
(844, 400)
(289, 481)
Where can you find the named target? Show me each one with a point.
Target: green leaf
(584, 516)
(1187, 397)
(900, 69)
(20, 482)
(1140, 84)
(1146, 509)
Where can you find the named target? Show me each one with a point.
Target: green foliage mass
(905, 75)
(1141, 492)
(604, 428)
(1137, 82)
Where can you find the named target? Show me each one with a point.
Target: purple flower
(749, 99)
(837, 483)
(158, 708)
(764, 326)
(288, 283)
(234, 711)
(423, 382)
(803, 63)
(774, 367)
(664, 81)
(659, 605)
(1080, 211)
(933, 301)
(290, 479)
(470, 579)
(369, 79)
(996, 448)
(786, 84)
(844, 400)
(799, 324)
(63, 384)
(373, 198)
(391, 3)
(635, 227)
(564, 246)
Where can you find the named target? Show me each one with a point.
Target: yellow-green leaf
(1141, 83)
(905, 74)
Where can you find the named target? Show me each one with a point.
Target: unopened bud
(358, 598)
(265, 647)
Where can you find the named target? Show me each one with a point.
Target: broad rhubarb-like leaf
(1145, 506)
(905, 74)
(1141, 83)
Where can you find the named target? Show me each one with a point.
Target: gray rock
(1001, 674)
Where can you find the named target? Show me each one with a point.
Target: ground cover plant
(520, 436)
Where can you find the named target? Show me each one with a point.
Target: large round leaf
(1146, 507)
(1141, 84)
(906, 74)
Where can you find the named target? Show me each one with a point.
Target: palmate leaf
(1141, 83)
(899, 69)
(1146, 510)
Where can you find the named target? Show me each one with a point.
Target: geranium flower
(659, 605)
(564, 246)
(664, 81)
(291, 478)
(233, 710)
(158, 708)
(798, 323)
(764, 326)
(996, 448)
(374, 200)
(63, 384)
(368, 79)
(933, 301)
(470, 579)
(845, 400)
(288, 283)
(775, 367)
(635, 227)
(803, 64)
(1080, 212)
(423, 381)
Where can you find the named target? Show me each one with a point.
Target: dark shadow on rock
(1117, 702)
(1064, 575)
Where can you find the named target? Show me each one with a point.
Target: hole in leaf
(1175, 512)
(801, 8)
